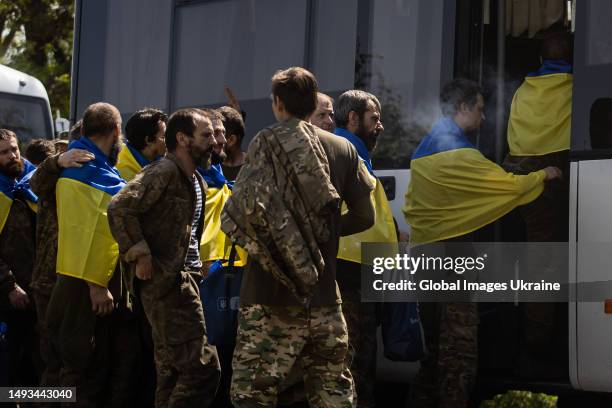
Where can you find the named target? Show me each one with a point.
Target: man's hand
(231, 98)
(18, 298)
(144, 267)
(101, 299)
(74, 158)
(553, 173)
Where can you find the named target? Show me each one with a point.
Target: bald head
(100, 119)
(323, 116)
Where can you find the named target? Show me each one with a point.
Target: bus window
(27, 116)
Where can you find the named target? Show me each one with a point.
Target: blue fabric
(552, 67)
(402, 332)
(21, 186)
(220, 295)
(445, 135)
(97, 173)
(362, 150)
(137, 155)
(214, 176)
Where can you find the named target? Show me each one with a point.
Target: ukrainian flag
(455, 190)
(86, 248)
(214, 244)
(10, 187)
(383, 230)
(130, 162)
(541, 112)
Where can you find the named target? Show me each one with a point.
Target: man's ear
(231, 140)
(181, 139)
(353, 119)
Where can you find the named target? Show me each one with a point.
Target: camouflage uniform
(17, 253)
(187, 366)
(44, 275)
(316, 338)
(284, 212)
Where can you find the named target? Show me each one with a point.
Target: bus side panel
(572, 272)
(594, 327)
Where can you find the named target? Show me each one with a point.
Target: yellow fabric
(214, 244)
(5, 208)
(127, 165)
(459, 191)
(382, 231)
(86, 248)
(540, 116)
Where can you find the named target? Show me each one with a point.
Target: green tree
(36, 38)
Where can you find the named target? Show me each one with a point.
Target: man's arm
(46, 175)
(360, 216)
(9, 287)
(136, 198)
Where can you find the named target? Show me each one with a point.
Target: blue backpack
(402, 332)
(220, 295)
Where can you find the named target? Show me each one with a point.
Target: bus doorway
(498, 45)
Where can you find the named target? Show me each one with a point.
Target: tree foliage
(36, 38)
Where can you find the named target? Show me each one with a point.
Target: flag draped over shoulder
(383, 230)
(9, 188)
(215, 244)
(540, 116)
(455, 190)
(130, 162)
(86, 248)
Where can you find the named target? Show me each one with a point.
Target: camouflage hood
(282, 203)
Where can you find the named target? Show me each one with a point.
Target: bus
(24, 106)
(172, 54)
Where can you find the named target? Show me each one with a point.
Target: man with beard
(17, 244)
(144, 133)
(323, 116)
(233, 121)
(157, 220)
(358, 120)
(97, 345)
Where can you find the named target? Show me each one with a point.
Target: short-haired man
(38, 150)
(17, 244)
(452, 181)
(43, 183)
(358, 120)
(144, 133)
(285, 212)
(234, 133)
(157, 220)
(91, 343)
(323, 116)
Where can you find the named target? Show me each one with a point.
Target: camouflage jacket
(152, 215)
(43, 183)
(280, 204)
(17, 250)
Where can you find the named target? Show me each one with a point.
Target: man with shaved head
(88, 316)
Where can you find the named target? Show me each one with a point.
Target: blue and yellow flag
(86, 248)
(130, 162)
(9, 188)
(214, 244)
(541, 112)
(383, 230)
(455, 190)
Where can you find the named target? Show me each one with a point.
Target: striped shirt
(192, 260)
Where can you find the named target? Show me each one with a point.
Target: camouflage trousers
(50, 376)
(361, 322)
(272, 339)
(448, 373)
(187, 366)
